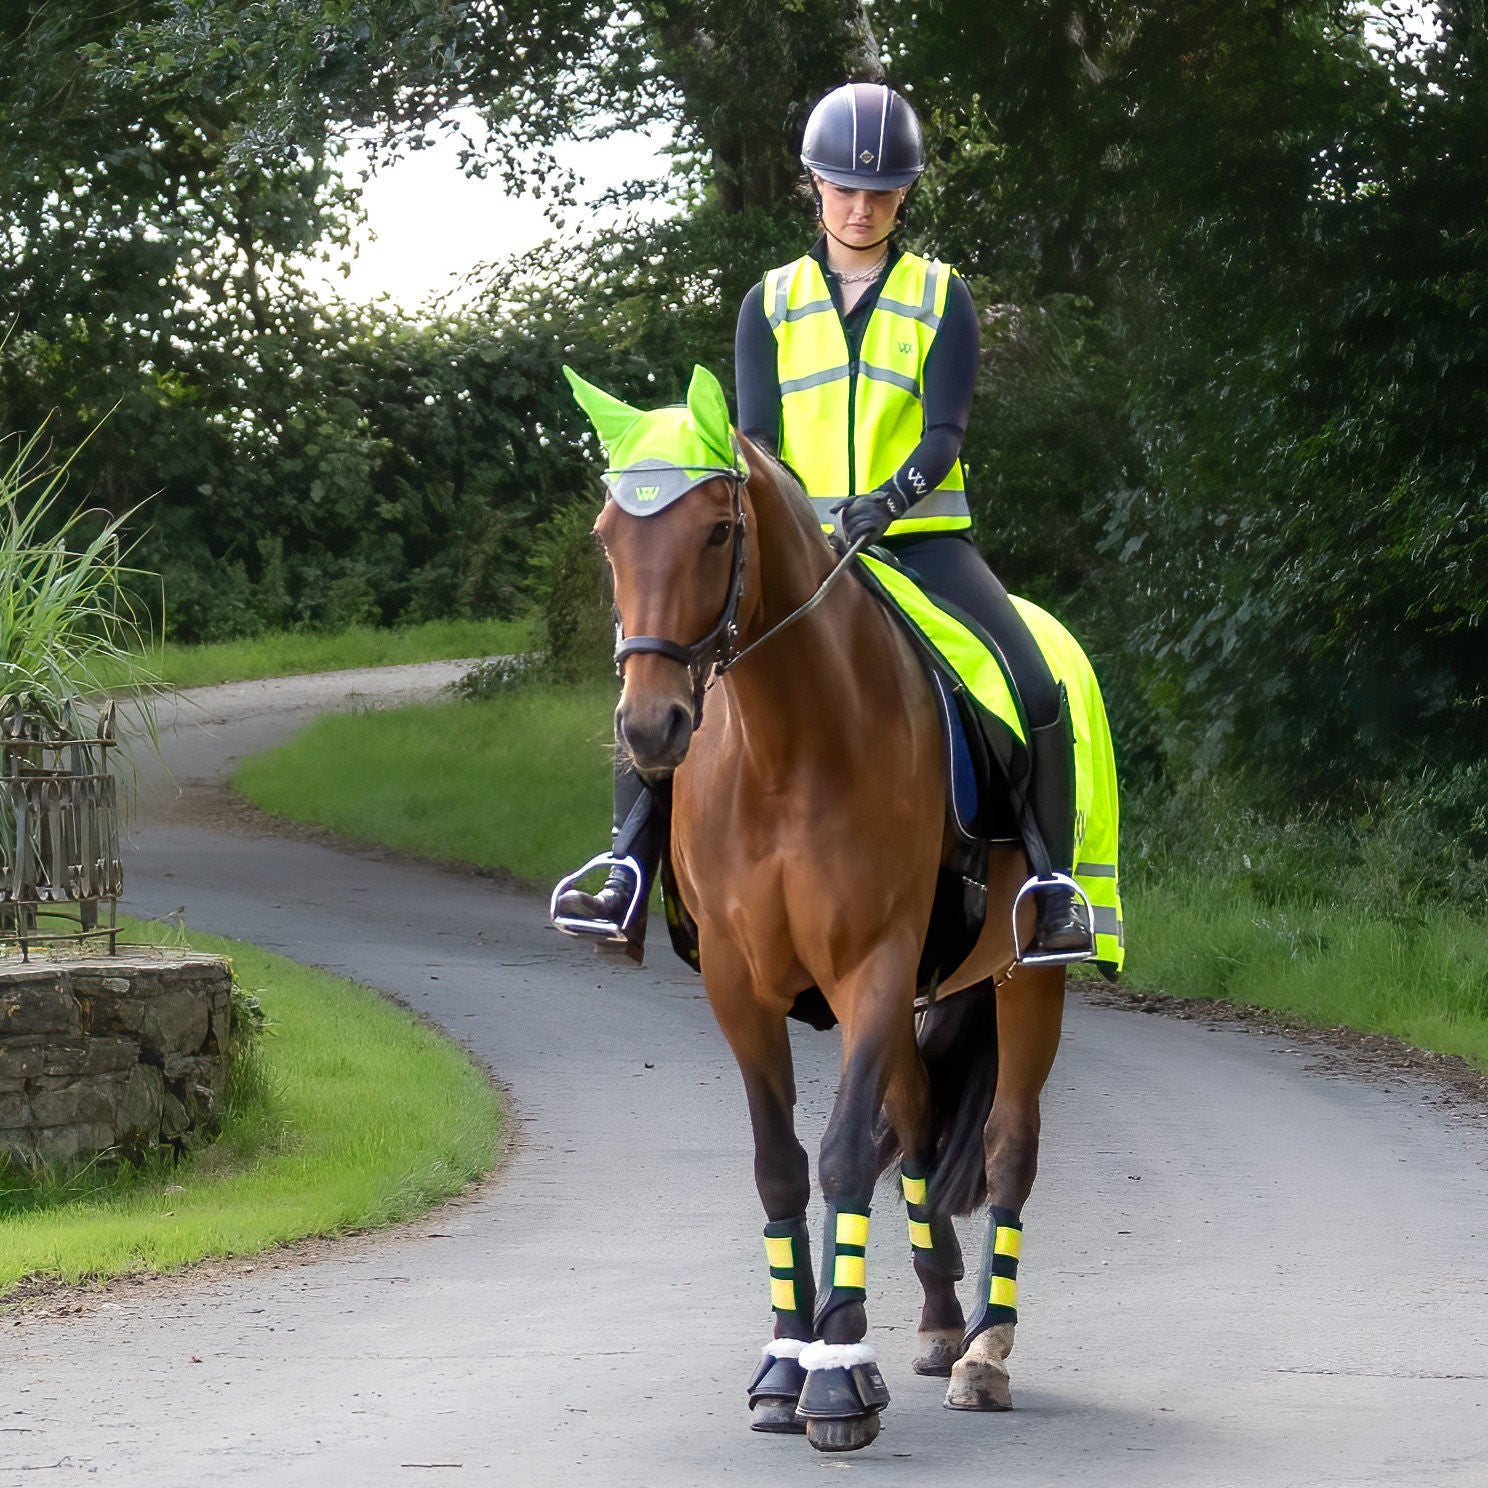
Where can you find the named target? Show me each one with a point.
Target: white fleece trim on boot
(837, 1355)
(783, 1348)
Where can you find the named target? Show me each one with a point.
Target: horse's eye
(720, 534)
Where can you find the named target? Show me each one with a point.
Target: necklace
(863, 275)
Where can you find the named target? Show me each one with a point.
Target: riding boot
(617, 912)
(1062, 927)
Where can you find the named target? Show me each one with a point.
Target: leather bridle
(708, 659)
(714, 653)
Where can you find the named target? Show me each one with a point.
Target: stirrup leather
(1028, 957)
(617, 932)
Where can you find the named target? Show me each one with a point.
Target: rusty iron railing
(59, 830)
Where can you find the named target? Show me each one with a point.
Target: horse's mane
(788, 486)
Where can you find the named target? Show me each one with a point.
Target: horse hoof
(979, 1385)
(776, 1387)
(842, 1396)
(775, 1415)
(939, 1349)
(843, 1434)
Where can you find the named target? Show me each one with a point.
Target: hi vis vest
(846, 426)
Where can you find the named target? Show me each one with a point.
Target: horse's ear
(611, 418)
(709, 410)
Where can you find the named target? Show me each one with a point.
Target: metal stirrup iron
(616, 931)
(1027, 957)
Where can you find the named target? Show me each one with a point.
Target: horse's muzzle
(656, 731)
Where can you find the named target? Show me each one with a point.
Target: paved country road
(1242, 1267)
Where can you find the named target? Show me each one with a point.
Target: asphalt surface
(1242, 1265)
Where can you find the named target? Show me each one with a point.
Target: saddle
(986, 769)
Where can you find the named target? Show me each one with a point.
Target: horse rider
(855, 366)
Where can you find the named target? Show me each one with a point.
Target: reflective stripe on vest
(840, 449)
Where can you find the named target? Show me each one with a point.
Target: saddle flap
(961, 772)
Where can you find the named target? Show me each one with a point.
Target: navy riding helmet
(864, 136)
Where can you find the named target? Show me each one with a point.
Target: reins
(801, 610)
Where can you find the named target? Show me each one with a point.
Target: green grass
(1368, 916)
(1421, 976)
(356, 1116)
(291, 653)
(520, 783)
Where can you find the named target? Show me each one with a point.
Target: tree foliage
(1228, 254)
(1231, 255)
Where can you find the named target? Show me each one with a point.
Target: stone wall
(112, 1051)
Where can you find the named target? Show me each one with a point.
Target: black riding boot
(1062, 928)
(617, 912)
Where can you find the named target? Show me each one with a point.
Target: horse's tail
(958, 1042)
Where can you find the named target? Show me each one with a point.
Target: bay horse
(809, 825)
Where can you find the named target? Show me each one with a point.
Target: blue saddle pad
(965, 794)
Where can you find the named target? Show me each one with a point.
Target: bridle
(717, 652)
(714, 654)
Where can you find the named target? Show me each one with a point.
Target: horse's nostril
(658, 739)
(679, 730)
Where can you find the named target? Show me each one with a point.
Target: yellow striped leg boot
(844, 1391)
(979, 1378)
(776, 1386)
(938, 1264)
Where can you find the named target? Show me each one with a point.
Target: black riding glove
(868, 517)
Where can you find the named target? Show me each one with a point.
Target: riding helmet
(864, 136)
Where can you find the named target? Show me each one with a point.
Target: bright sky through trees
(428, 223)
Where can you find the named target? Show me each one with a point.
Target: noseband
(706, 658)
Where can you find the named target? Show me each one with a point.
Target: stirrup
(616, 932)
(1028, 957)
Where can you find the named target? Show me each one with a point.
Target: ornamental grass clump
(68, 629)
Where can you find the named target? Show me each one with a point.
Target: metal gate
(60, 873)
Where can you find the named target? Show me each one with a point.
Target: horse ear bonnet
(710, 415)
(657, 457)
(611, 418)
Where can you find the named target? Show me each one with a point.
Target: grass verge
(354, 1116)
(292, 653)
(520, 783)
(1420, 976)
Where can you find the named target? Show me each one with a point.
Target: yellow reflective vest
(846, 426)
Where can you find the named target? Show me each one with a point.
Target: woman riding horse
(806, 878)
(855, 365)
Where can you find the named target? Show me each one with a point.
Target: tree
(1226, 255)
(1226, 252)
(745, 74)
